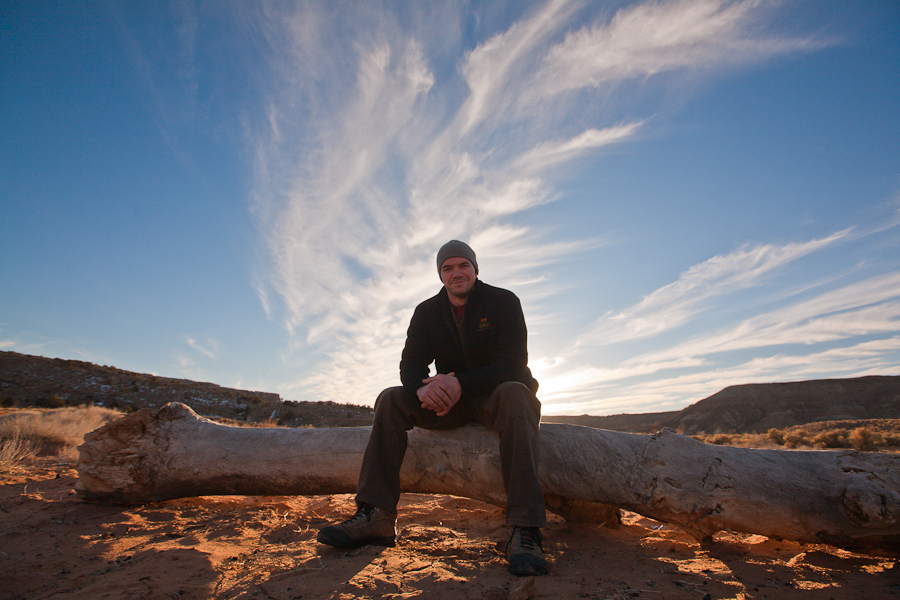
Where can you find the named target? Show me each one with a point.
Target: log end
(111, 459)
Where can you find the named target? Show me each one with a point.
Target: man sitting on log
(475, 334)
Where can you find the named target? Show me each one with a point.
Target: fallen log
(847, 499)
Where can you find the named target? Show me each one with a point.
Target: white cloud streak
(675, 304)
(209, 350)
(655, 37)
(862, 308)
(549, 153)
(603, 396)
(371, 153)
(869, 308)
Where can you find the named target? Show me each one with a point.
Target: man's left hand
(440, 393)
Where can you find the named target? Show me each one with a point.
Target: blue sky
(685, 195)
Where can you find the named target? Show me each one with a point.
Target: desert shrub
(15, 450)
(776, 436)
(720, 439)
(793, 439)
(53, 401)
(864, 439)
(287, 417)
(57, 430)
(834, 438)
(754, 440)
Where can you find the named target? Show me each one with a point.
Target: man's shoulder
(438, 299)
(483, 292)
(488, 291)
(431, 307)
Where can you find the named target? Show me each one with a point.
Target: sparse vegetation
(26, 433)
(862, 438)
(31, 381)
(868, 435)
(51, 401)
(15, 451)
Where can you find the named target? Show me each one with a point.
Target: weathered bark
(844, 498)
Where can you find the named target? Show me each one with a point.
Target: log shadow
(766, 566)
(53, 544)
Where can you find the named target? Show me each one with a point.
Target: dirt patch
(53, 545)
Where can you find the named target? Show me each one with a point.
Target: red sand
(52, 545)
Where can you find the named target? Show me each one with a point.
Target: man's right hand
(440, 393)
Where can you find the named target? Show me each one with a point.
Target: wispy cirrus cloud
(546, 154)
(862, 315)
(675, 304)
(605, 393)
(503, 63)
(863, 308)
(656, 37)
(209, 348)
(432, 139)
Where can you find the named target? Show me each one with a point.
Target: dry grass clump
(867, 435)
(26, 433)
(740, 440)
(16, 450)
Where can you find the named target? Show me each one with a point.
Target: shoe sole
(528, 565)
(345, 543)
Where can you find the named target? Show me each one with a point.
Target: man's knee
(513, 399)
(389, 398)
(392, 408)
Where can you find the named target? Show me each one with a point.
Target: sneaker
(524, 552)
(370, 525)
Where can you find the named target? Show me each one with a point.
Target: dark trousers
(512, 411)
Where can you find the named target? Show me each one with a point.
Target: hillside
(27, 380)
(633, 423)
(758, 407)
(754, 408)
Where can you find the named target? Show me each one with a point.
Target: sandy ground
(52, 545)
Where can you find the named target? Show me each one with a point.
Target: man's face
(458, 275)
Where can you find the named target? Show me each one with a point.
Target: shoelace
(364, 512)
(527, 539)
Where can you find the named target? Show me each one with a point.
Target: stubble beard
(462, 295)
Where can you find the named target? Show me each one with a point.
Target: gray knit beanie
(456, 248)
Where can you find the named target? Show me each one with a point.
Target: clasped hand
(440, 393)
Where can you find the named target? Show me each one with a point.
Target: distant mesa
(758, 407)
(27, 380)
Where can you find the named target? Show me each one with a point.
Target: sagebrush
(26, 433)
(861, 434)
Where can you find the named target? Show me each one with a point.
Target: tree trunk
(845, 498)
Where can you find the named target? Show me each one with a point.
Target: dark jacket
(493, 348)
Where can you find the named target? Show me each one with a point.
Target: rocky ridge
(27, 380)
(758, 407)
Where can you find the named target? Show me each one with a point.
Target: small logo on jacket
(484, 324)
